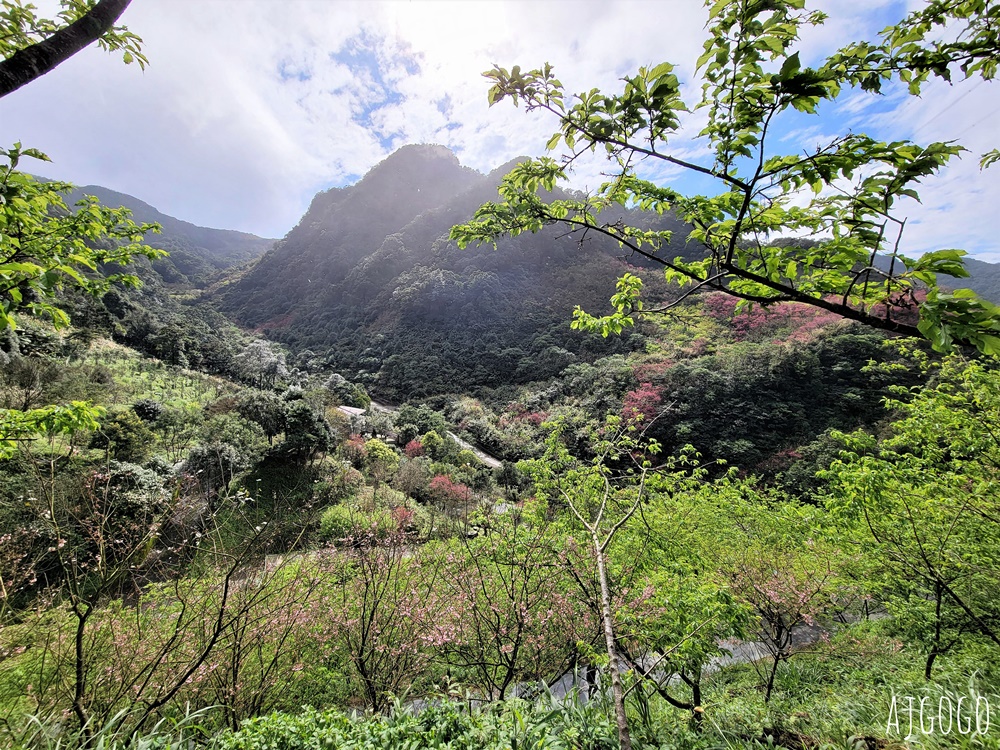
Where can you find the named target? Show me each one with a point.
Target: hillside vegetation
(346, 562)
(369, 283)
(198, 535)
(387, 486)
(196, 254)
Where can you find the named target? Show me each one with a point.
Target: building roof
(351, 411)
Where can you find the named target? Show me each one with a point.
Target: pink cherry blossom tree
(518, 619)
(385, 611)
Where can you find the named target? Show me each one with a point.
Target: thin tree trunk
(697, 712)
(936, 646)
(617, 692)
(929, 665)
(80, 676)
(770, 678)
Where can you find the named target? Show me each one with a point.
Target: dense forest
(405, 478)
(369, 282)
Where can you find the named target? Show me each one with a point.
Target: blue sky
(249, 107)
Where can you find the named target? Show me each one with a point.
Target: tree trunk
(80, 676)
(617, 692)
(936, 646)
(29, 63)
(771, 676)
(697, 712)
(929, 665)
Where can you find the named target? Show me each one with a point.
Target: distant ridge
(984, 279)
(196, 253)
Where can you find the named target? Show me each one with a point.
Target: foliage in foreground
(838, 695)
(845, 197)
(923, 500)
(445, 724)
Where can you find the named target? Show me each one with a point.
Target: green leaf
(774, 44)
(717, 8)
(28, 269)
(746, 205)
(989, 344)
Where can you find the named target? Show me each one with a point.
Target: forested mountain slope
(984, 279)
(196, 253)
(369, 281)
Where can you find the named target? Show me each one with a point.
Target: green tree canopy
(45, 246)
(943, 38)
(125, 436)
(845, 195)
(923, 501)
(306, 432)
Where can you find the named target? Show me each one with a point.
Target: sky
(250, 107)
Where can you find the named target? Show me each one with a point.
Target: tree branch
(32, 62)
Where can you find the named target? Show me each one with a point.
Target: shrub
(387, 497)
(214, 465)
(340, 482)
(443, 723)
(341, 522)
(307, 432)
(448, 493)
(125, 436)
(148, 410)
(406, 433)
(353, 451)
(247, 438)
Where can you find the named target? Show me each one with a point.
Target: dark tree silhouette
(35, 60)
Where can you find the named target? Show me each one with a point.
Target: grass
(838, 696)
(844, 690)
(166, 734)
(137, 377)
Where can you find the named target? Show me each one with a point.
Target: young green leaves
(44, 245)
(841, 199)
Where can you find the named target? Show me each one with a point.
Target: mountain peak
(427, 151)
(500, 172)
(418, 166)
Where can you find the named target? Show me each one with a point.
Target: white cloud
(958, 205)
(251, 106)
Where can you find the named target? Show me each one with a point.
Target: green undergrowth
(137, 377)
(859, 685)
(442, 724)
(838, 695)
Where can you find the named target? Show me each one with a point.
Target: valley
(231, 444)
(703, 453)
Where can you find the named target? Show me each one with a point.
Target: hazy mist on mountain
(369, 281)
